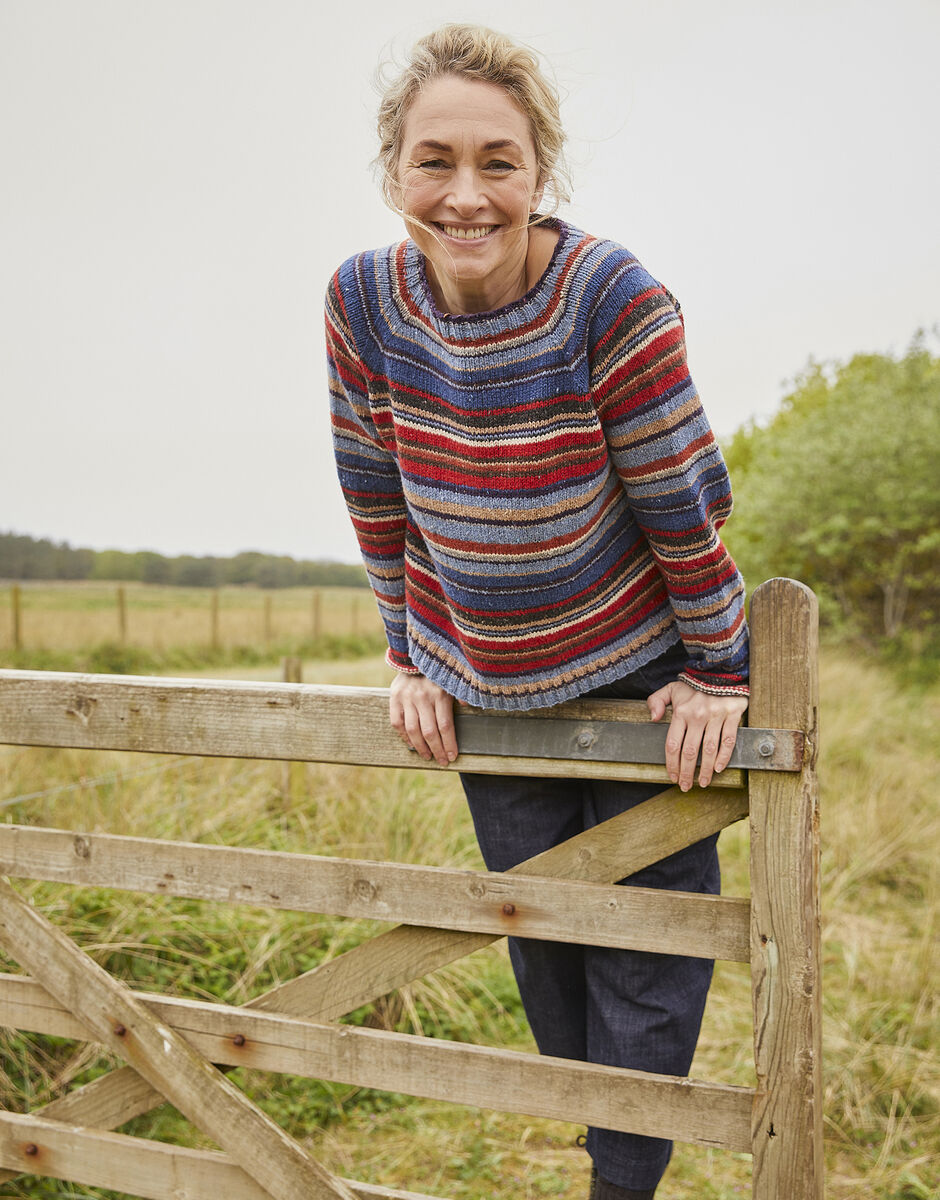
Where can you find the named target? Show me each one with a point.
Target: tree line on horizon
(27, 558)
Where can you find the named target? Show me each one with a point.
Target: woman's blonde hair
(474, 52)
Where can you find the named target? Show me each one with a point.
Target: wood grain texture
(505, 1080)
(477, 901)
(137, 1166)
(116, 1018)
(107, 1102)
(785, 934)
(298, 722)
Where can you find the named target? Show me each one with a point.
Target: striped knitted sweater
(536, 490)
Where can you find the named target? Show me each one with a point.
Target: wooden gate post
(785, 954)
(17, 621)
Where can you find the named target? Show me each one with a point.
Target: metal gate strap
(613, 741)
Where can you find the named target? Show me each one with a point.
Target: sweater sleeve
(673, 473)
(368, 475)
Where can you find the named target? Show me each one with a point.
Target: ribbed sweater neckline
(516, 312)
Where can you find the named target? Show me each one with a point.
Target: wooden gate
(177, 1050)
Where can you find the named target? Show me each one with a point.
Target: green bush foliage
(840, 489)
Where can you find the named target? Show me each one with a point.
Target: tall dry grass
(880, 844)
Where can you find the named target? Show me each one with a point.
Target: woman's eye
(499, 165)
(433, 164)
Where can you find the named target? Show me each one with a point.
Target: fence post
(785, 956)
(17, 625)
(315, 614)
(294, 774)
(122, 614)
(214, 619)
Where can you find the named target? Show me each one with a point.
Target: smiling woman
(537, 495)
(468, 184)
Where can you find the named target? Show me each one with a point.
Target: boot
(602, 1190)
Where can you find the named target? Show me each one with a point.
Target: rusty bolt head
(31, 1149)
(239, 1039)
(119, 1031)
(509, 910)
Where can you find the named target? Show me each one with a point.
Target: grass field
(75, 616)
(880, 818)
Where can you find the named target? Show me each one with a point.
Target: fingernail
(451, 756)
(674, 778)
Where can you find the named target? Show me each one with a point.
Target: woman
(536, 494)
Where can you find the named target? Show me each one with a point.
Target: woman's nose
(466, 194)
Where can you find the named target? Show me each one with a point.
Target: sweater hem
(466, 693)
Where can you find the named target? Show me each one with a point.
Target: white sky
(180, 177)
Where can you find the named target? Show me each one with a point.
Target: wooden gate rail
(708, 1114)
(563, 894)
(291, 721)
(633, 918)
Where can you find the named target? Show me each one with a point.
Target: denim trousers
(625, 1008)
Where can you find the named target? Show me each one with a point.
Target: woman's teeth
(455, 231)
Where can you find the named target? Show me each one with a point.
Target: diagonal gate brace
(165, 1059)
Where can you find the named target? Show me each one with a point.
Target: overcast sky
(180, 178)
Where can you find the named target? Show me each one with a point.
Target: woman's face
(468, 173)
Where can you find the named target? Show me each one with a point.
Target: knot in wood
(477, 889)
(81, 846)
(365, 889)
(82, 707)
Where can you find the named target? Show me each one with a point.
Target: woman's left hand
(699, 721)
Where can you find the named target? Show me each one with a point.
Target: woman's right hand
(423, 715)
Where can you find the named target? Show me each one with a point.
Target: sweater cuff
(721, 686)
(400, 662)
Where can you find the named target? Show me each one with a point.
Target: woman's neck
(519, 276)
(464, 296)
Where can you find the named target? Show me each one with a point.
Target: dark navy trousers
(625, 1008)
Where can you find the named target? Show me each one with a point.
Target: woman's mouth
(464, 233)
